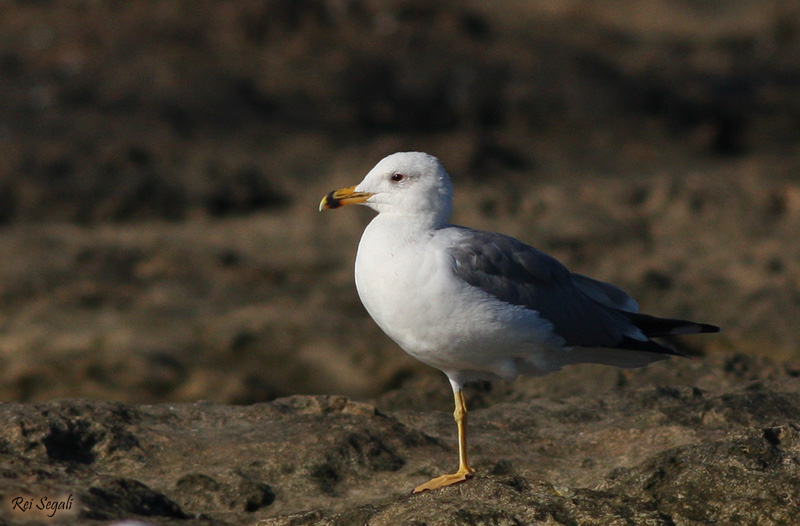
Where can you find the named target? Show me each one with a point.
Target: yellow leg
(464, 470)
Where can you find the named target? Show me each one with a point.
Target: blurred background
(161, 163)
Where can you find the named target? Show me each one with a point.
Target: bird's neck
(408, 227)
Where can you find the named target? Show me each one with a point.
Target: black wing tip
(679, 328)
(654, 327)
(688, 327)
(707, 327)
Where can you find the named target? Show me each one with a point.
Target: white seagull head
(405, 183)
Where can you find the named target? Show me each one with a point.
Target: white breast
(398, 295)
(409, 288)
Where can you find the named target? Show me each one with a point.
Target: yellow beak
(343, 197)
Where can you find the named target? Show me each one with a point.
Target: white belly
(411, 291)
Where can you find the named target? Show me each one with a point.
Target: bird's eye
(398, 177)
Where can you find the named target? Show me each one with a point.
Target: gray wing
(584, 312)
(605, 293)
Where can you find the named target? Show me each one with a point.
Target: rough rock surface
(666, 455)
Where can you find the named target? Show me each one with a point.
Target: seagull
(482, 305)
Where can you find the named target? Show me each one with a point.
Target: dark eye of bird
(398, 177)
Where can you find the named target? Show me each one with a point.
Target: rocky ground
(642, 450)
(160, 168)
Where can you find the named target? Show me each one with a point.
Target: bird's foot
(446, 480)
